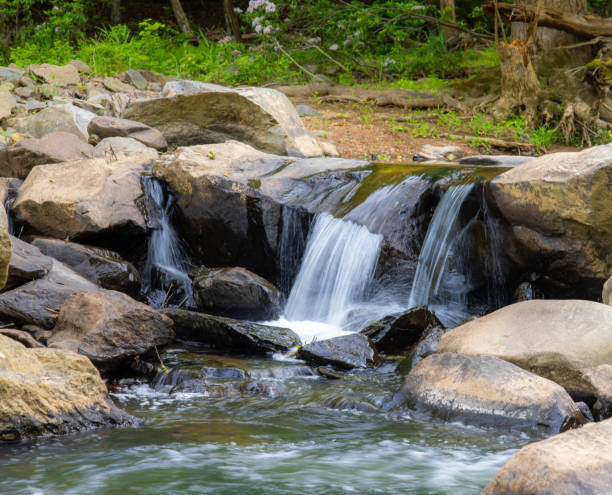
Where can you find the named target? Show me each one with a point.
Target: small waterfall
(167, 266)
(338, 264)
(437, 245)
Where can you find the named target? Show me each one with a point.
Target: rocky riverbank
(107, 183)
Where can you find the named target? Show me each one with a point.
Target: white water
(437, 246)
(165, 256)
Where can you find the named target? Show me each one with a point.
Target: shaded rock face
(396, 333)
(346, 352)
(201, 113)
(231, 335)
(109, 328)
(237, 293)
(606, 293)
(43, 285)
(577, 461)
(50, 392)
(18, 160)
(83, 199)
(484, 390)
(101, 266)
(105, 127)
(559, 209)
(600, 378)
(558, 340)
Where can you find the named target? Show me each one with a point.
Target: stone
(5, 247)
(113, 104)
(223, 373)
(84, 199)
(82, 67)
(8, 189)
(427, 344)
(231, 335)
(398, 332)
(137, 79)
(112, 147)
(600, 377)
(109, 328)
(433, 153)
(103, 267)
(19, 159)
(345, 352)
(236, 293)
(306, 111)
(47, 392)
(25, 92)
(7, 103)
(558, 206)
(558, 340)
(11, 75)
(59, 117)
(54, 74)
(112, 127)
(22, 337)
(496, 160)
(201, 113)
(606, 293)
(27, 263)
(483, 390)
(575, 462)
(116, 86)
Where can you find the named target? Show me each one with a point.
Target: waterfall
(437, 245)
(167, 266)
(338, 264)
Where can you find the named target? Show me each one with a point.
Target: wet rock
(7, 103)
(348, 404)
(60, 117)
(396, 333)
(432, 153)
(50, 392)
(27, 263)
(600, 378)
(198, 113)
(282, 372)
(106, 127)
(558, 206)
(121, 147)
(577, 461)
(18, 160)
(82, 199)
(5, 247)
(331, 373)
(427, 344)
(558, 340)
(237, 293)
(496, 160)
(109, 328)
(168, 380)
(484, 390)
(54, 74)
(224, 373)
(606, 293)
(102, 266)
(345, 352)
(22, 337)
(229, 334)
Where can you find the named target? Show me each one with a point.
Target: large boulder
(105, 127)
(200, 113)
(56, 74)
(50, 392)
(559, 208)
(558, 340)
(398, 332)
(484, 390)
(346, 352)
(231, 335)
(18, 160)
(39, 286)
(109, 328)
(237, 293)
(60, 117)
(575, 462)
(83, 199)
(102, 266)
(5, 247)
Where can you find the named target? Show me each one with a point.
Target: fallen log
(495, 142)
(585, 25)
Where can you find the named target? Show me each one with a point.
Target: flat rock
(7, 103)
(59, 146)
(433, 153)
(101, 266)
(109, 327)
(117, 147)
(575, 462)
(58, 117)
(231, 335)
(116, 86)
(345, 352)
(55, 74)
(51, 392)
(237, 293)
(105, 127)
(558, 340)
(496, 160)
(484, 390)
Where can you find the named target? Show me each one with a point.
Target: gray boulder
(346, 352)
(121, 147)
(63, 75)
(105, 127)
(60, 117)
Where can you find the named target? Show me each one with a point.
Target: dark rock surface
(345, 352)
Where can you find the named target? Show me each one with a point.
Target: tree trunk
(447, 13)
(232, 19)
(181, 18)
(115, 12)
(519, 83)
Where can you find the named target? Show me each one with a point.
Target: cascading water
(437, 245)
(167, 265)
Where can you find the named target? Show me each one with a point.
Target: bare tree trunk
(181, 18)
(447, 10)
(232, 19)
(115, 12)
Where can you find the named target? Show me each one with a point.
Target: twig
(163, 366)
(52, 310)
(278, 45)
(316, 47)
(168, 294)
(8, 325)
